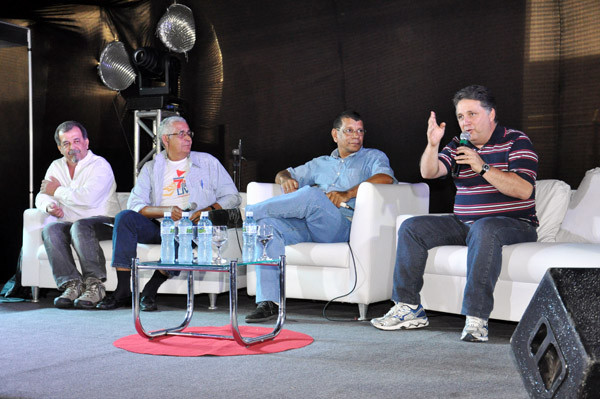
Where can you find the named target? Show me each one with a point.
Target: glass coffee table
(230, 268)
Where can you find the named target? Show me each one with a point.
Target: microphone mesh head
(465, 136)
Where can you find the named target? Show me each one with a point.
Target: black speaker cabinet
(556, 345)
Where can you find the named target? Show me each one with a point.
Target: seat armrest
(379, 204)
(373, 231)
(258, 192)
(34, 221)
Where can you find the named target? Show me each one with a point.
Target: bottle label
(205, 230)
(187, 230)
(249, 229)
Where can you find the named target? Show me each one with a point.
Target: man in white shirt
(79, 190)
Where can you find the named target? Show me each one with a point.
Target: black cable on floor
(341, 296)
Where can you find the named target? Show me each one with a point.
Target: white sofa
(326, 271)
(36, 271)
(568, 236)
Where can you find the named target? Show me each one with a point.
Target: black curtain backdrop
(275, 73)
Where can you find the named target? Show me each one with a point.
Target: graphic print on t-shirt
(175, 190)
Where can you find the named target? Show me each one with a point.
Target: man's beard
(73, 155)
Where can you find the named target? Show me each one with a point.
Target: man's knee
(52, 230)
(82, 226)
(410, 225)
(126, 219)
(312, 193)
(482, 229)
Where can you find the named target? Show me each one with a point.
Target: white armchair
(325, 271)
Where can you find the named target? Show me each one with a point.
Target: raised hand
(435, 132)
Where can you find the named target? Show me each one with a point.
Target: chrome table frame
(233, 299)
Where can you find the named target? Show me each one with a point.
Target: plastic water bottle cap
(185, 214)
(249, 213)
(167, 214)
(204, 214)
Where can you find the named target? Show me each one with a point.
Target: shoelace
(91, 290)
(401, 309)
(475, 323)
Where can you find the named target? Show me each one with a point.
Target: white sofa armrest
(34, 221)
(372, 237)
(258, 192)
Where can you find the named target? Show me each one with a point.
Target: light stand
(140, 118)
(237, 165)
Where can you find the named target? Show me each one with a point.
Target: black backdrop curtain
(279, 71)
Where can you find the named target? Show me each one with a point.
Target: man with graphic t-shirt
(177, 179)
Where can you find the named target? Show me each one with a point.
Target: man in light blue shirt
(318, 202)
(177, 179)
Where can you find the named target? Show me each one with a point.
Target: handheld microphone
(191, 206)
(344, 205)
(464, 141)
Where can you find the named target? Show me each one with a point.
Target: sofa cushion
(551, 203)
(582, 220)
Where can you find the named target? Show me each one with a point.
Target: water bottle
(167, 239)
(204, 240)
(249, 232)
(185, 234)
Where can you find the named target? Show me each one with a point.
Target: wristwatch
(484, 169)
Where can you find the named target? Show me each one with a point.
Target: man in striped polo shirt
(494, 206)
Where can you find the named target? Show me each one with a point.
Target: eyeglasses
(181, 134)
(350, 132)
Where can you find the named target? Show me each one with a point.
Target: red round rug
(177, 345)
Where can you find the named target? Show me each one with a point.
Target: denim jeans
(130, 229)
(306, 215)
(84, 235)
(484, 239)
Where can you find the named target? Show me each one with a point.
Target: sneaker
(476, 330)
(72, 290)
(401, 315)
(265, 311)
(94, 293)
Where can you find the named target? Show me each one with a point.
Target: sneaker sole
(471, 338)
(63, 304)
(407, 325)
(261, 320)
(85, 304)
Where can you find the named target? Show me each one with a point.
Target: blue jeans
(306, 215)
(484, 239)
(85, 235)
(130, 229)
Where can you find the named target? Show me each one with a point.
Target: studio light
(176, 29)
(114, 68)
(156, 71)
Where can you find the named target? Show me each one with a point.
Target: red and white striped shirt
(507, 150)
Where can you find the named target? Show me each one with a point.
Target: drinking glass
(219, 237)
(265, 234)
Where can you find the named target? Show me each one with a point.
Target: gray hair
(167, 124)
(65, 127)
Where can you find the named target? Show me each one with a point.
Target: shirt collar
(336, 153)
(497, 135)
